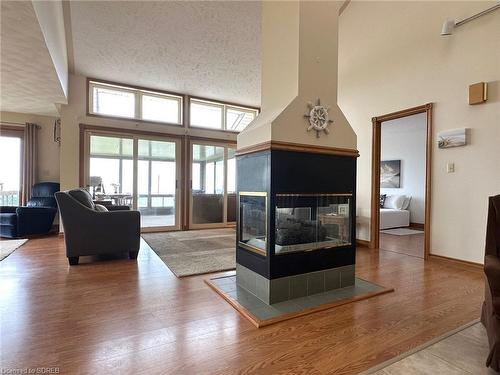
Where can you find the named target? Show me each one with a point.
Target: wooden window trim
(184, 110)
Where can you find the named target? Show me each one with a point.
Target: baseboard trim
(362, 243)
(457, 261)
(418, 226)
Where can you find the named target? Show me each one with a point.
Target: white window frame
(162, 96)
(237, 108)
(138, 93)
(225, 108)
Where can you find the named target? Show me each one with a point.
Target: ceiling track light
(450, 25)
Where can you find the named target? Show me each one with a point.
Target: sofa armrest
(103, 233)
(8, 209)
(34, 220)
(117, 221)
(492, 271)
(118, 208)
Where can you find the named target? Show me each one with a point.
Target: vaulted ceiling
(29, 82)
(209, 49)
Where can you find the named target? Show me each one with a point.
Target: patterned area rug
(7, 247)
(195, 252)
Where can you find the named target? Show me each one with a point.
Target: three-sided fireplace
(296, 223)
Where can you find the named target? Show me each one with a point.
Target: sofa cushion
(8, 219)
(82, 196)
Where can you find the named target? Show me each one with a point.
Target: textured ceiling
(209, 49)
(29, 81)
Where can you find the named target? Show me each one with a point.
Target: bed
(394, 218)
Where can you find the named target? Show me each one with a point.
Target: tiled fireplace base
(292, 287)
(261, 314)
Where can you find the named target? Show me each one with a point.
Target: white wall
(393, 57)
(404, 139)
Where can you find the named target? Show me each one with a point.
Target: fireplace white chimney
(299, 71)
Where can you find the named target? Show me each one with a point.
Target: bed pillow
(406, 203)
(382, 200)
(394, 201)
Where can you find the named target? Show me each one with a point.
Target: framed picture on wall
(390, 174)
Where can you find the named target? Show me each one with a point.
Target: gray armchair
(91, 229)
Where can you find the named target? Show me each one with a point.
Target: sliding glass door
(140, 172)
(212, 193)
(157, 183)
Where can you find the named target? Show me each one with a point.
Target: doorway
(405, 225)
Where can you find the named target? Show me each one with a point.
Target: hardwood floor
(412, 244)
(126, 317)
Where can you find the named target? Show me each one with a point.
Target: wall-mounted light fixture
(450, 25)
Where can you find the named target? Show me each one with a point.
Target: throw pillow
(406, 203)
(83, 197)
(100, 208)
(382, 200)
(394, 201)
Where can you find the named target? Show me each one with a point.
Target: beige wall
(48, 150)
(74, 114)
(299, 65)
(392, 57)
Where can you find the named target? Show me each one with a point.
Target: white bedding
(393, 218)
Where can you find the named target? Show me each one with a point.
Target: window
(211, 115)
(127, 102)
(10, 173)
(161, 108)
(237, 119)
(206, 115)
(113, 102)
(110, 166)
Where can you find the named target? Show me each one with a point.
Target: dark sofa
(91, 229)
(490, 315)
(36, 218)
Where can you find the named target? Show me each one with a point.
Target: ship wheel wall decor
(318, 118)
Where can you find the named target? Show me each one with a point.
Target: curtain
(29, 161)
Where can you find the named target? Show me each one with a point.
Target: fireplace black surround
(296, 215)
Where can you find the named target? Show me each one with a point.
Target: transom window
(115, 100)
(219, 116)
(119, 101)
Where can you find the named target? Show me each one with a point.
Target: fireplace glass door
(306, 222)
(253, 222)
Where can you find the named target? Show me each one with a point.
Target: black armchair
(91, 229)
(36, 218)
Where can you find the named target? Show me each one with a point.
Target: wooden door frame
(376, 158)
(226, 144)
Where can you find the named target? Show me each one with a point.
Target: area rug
(401, 231)
(195, 252)
(7, 247)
